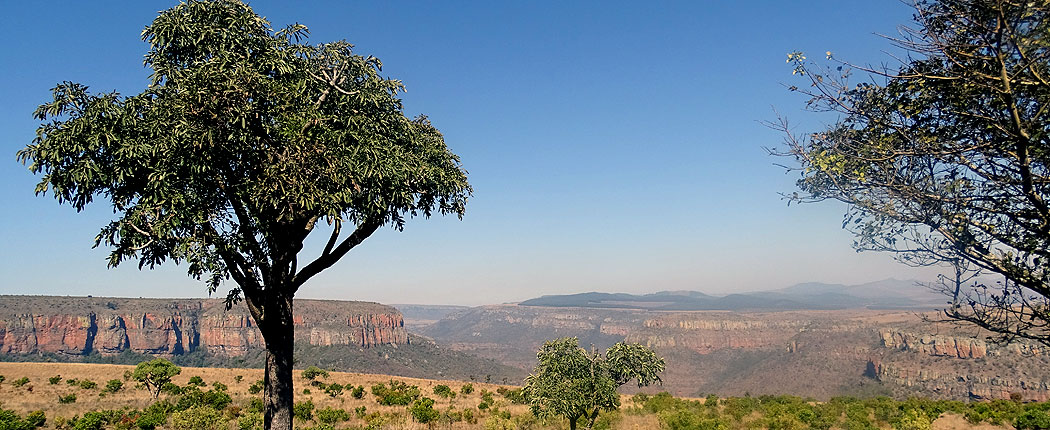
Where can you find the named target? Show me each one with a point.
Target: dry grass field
(40, 394)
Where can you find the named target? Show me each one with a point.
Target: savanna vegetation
(208, 398)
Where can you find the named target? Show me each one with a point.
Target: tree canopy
(946, 159)
(154, 374)
(245, 140)
(571, 383)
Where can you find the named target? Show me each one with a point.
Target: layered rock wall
(82, 325)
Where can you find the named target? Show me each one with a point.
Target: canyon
(78, 326)
(816, 353)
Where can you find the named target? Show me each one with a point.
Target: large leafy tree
(946, 158)
(245, 142)
(574, 384)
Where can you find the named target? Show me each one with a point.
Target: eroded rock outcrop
(82, 325)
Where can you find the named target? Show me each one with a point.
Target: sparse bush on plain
(329, 415)
(68, 398)
(199, 417)
(54, 379)
(20, 382)
(303, 411)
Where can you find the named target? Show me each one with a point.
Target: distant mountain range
(884, 294)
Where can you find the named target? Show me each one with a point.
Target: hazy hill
(885, 294)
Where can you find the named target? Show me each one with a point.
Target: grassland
(490, 406)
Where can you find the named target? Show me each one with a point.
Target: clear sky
(612, 145)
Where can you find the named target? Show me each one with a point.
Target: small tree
(571, 383)
(154, 374)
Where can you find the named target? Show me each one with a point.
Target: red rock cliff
(81, 325)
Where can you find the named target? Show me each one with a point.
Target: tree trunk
(279, 334)
(572, 422)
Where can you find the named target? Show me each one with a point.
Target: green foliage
(10, 420)
(20, 382)
(256, 387)
(196, 381)
(250, 421)
(245, 139)
(238, 378)
(193, 397)
(358, 392)
(467, 388)
(199, 417)
(683, 419)
(154, 374)
(72, 382)
(87, 384)
(571, 383)
(54, 379)
(913, 419)
(219, 386)
(171, 389)
(398, 393)
(329, 415)
(68, 398)
(943, 161)
(255, 405)
(113, 385)
(94, 420)
(514, 395)
(1033, 417)
(423, 411)
(304, 411)
(444, 391)
(313, 372)
(333, 389)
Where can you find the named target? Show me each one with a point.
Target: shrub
(398, 393)
(913, 419)
(54, 379)
(333, 389)
(358, 392)
(196, 381)
(197, 418)
(303, 411)
(238, 378)
(68, 398)
(72, 382)
(255, 405)
(313, 372)
(20, 382)
(219, 386)
(467, 388)
(256, 387)
(113, 385)
(94, 420)
(87, 384)
(360, 411)
(36, 419)
(329, 415)
(151, 419)
(1032, 419)
(468, 416)
(443, 391)
(423, 412)
(217, 400)
(250, 421)
(515, 395)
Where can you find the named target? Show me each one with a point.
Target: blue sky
(613, 146)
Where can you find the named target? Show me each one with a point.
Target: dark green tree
(572, 383)
(245, 141)
(945, 159)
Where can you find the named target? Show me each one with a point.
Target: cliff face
(81, 325)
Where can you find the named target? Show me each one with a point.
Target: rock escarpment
(83, 325)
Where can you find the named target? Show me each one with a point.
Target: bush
(313, 372)
(256, 387)
(196, 381)
(358, 392)
(443, 391)
(250, 421)
(113, 385)
(90, 421)
(87, 384)
(255, 405)
(72, 382)
(20, 382)
(515, 395)
(217, 400)
(467, 388)
(360, 411)
(913, 419)
(423, 411)
(68, 398)
(303, 411)
(36, 419)
(9, 420)
(398, 393)
(333, 389)
(151, 419)
(329, 415)
(1032, 419)
(238, 378)
(54, 379)
(219, 386)
(197, 418)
